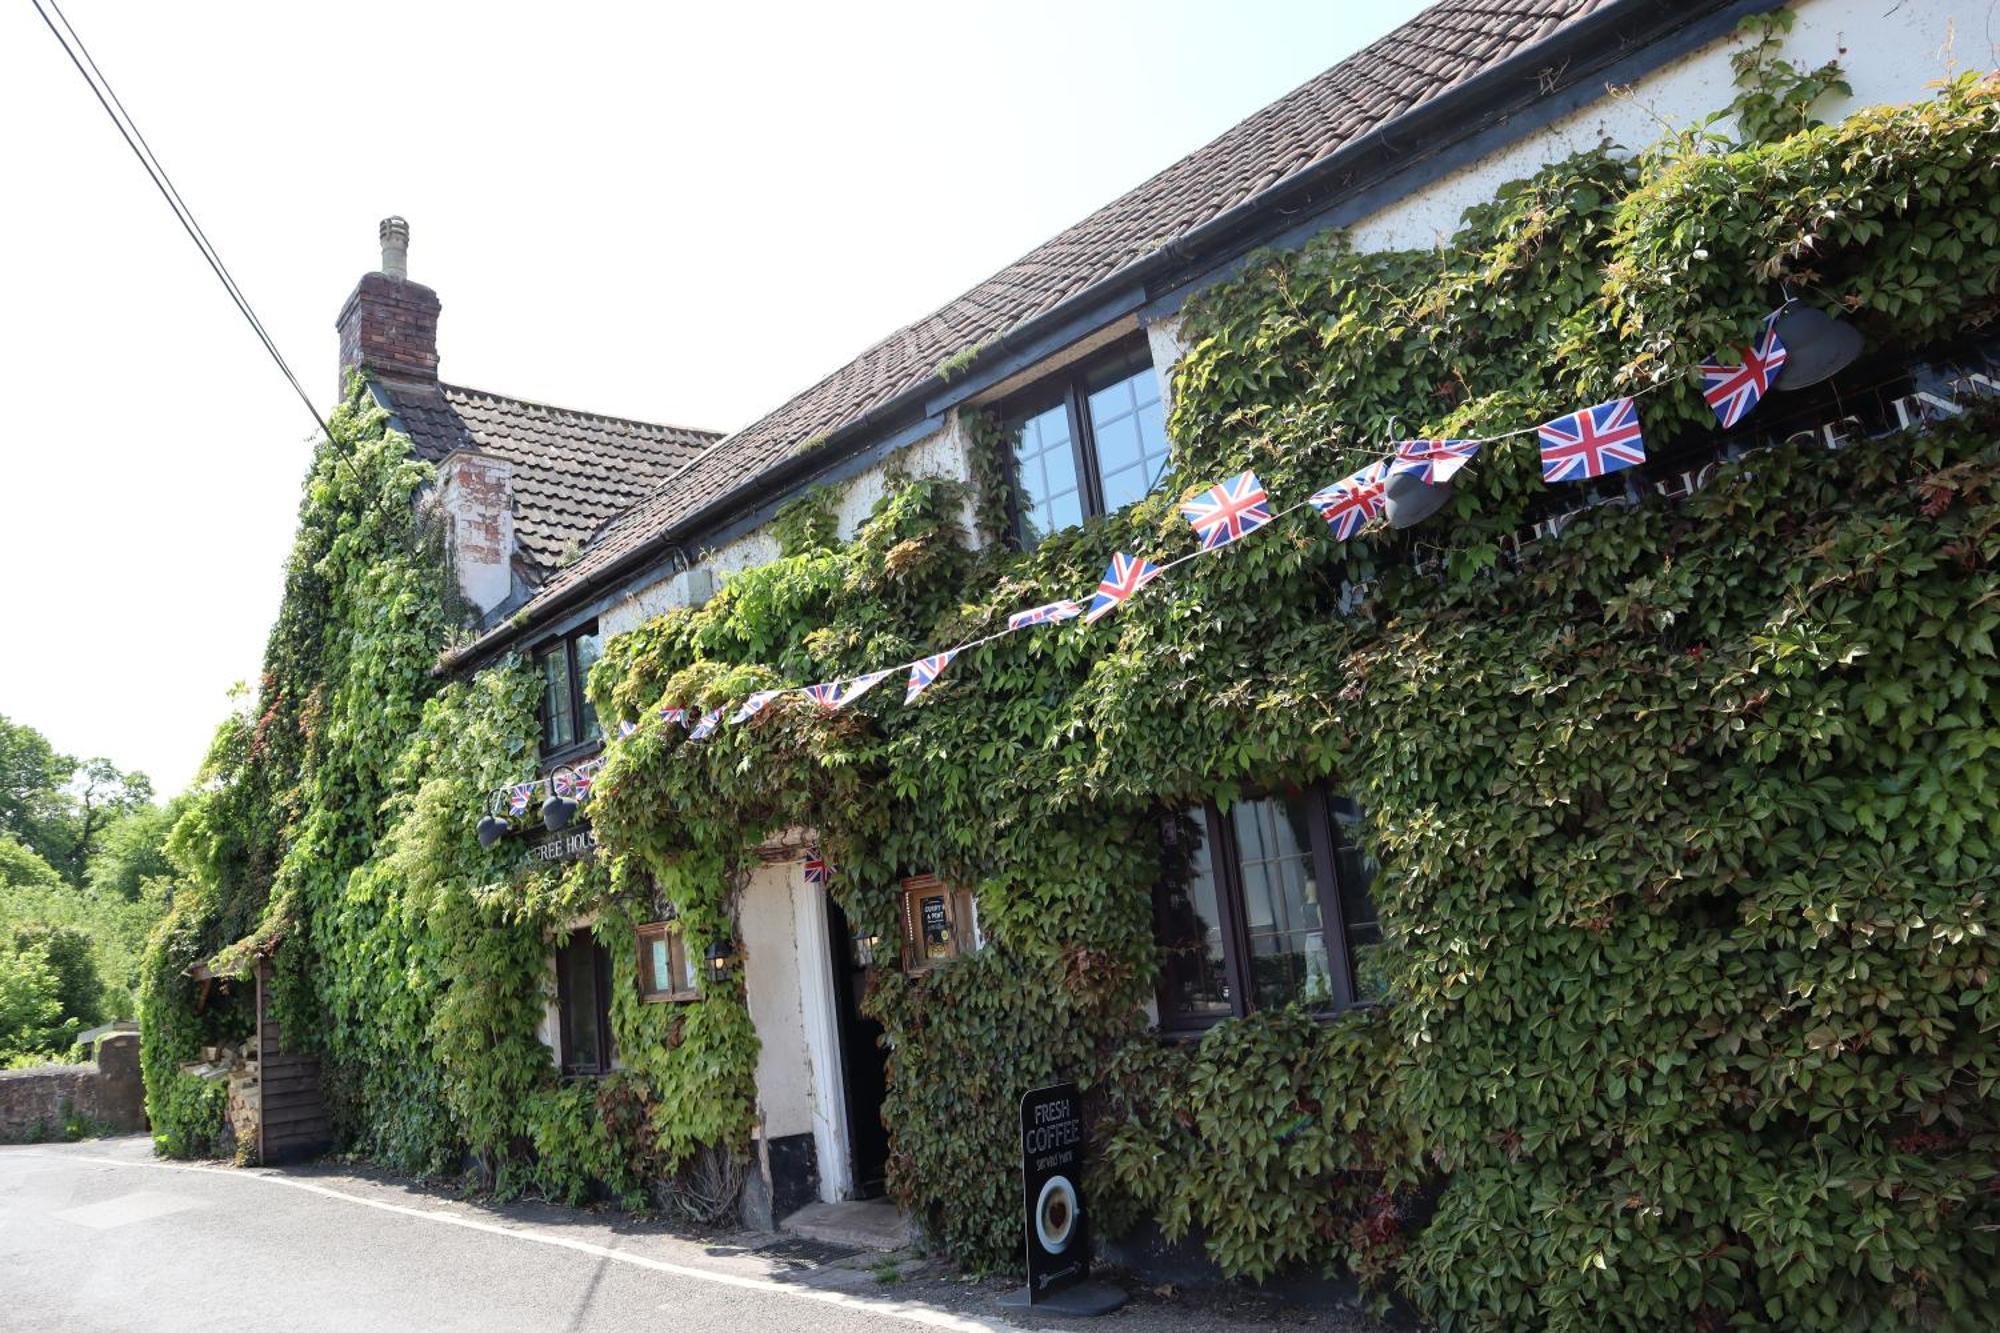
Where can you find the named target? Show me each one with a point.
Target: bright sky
(677, 213)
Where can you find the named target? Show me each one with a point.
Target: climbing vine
(1689, 900)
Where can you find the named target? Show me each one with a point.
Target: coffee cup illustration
(1055, 1214)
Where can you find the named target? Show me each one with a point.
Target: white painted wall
(943, 453)
(1892, 51)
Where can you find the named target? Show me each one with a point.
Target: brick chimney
(389, 325)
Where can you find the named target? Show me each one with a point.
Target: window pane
(1357, 907)
(1194, 981)
(577, 962)
(1131, 435)
(589, 647)
(661, 979)
(1046, 456)
(558, 726)
(1281, 903)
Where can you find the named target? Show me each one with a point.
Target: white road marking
(916, 1314)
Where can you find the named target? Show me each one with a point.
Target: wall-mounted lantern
(492, 828)
(559, 809)
(721, 957)
(1817, 346)
(1410, 499)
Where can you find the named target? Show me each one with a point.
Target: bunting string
(1583, 445)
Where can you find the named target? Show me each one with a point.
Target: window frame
(677, 963)
(1225, 857)
(580, 744)
(1070, 388)
(600, 1006)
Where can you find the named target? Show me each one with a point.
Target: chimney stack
(395, 234)
(388, 328)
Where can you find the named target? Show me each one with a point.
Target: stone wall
(105, 1096)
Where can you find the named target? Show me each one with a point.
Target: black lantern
(557, 811)
(1817, 346)
(721, 954)
(1409, 499)
(492, 828)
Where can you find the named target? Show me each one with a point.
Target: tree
(34, 805)
(132, 850)
(102, 794)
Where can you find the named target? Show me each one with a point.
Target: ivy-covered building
(1573, 911)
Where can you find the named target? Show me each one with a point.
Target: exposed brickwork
(389, 326)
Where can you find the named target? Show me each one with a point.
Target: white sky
(673, 212)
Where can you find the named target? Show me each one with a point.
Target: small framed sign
(939, 923)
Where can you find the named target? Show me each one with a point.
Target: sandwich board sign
(1052, 1189)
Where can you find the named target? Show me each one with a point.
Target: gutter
(1584, 48)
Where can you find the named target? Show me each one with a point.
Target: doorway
(864, 1064)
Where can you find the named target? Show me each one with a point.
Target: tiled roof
(1441, 48)
(573, 471)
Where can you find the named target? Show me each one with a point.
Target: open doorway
(864, 1064)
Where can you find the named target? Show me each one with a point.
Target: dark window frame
(1225, 857)
(1070, 388)
(570, 1065)
(582, 742)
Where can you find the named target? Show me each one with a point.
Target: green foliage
(58, 805)
(1777, 97)
(1689, 908)
(79, 946)
(32, 779)
(133, 850)
(334, 831)
(1689, 905)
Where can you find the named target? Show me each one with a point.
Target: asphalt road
(98, 1236)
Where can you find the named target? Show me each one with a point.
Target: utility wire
(128, 129)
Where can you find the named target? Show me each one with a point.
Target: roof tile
(1439, 49)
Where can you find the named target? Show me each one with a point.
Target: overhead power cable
(128, 129)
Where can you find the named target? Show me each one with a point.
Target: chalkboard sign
(937, 927)
(1058, 1233)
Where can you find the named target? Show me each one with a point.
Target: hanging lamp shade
(557, 811)
(1817, 346)
(492, 828)
(1409, 499)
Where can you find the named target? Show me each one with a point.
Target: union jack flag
(1044, 615)
(677, 716)
(1733, 390)
(585, 775)
(1350, 503)
(817, 870)
(754, 705)
(1590, 443)
(562, 782)
(826, 696)
(1125, 576)
(1434, 462)
(854, 688)
(517, 797)
(926, 670)
(626, 729)
(705, 728)
(1227, 511)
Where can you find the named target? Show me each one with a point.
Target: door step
(862, 1224)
